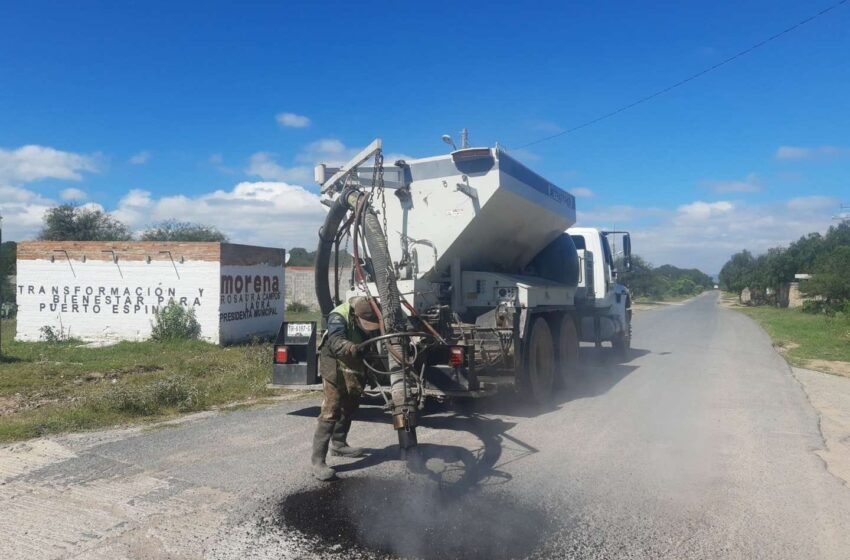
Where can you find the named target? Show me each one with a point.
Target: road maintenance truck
(481, 279)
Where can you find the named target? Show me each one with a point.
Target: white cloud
(292, 120)
(705, 234)
(813, 203)
(269, 213)
(701, 211)
(581, 192)
(140, 158)
(799, 152)
(22, 211)
(326, 150)
(333, 152)
(72, 194)
(263, 165)
(749, 184)
(32, 163)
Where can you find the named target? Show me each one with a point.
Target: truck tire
(539, 372)
(622, 342)
(566, 365)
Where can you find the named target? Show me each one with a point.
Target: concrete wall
(795, 298)
(301, 285)
(111, 290)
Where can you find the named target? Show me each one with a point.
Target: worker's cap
(365, 314)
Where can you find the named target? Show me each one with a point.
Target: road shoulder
(830, 397)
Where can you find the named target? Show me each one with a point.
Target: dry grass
(56, 387)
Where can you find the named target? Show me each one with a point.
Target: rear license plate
(299, 329)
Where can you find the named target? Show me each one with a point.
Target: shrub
(172, 392)
(53, 335)
(175, 322)
(297, 307)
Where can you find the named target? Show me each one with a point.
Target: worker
(349, 324)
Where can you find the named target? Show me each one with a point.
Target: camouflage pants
(341, 396)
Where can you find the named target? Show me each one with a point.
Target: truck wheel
(567, 357)
(539, 372)
(622, 342)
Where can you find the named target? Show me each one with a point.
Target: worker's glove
(351, 350)
(372, 381)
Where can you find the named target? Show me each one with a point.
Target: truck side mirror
(627, 252)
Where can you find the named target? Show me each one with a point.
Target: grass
(666, 298)
(805, 336)
(58, 387)
(304, 316)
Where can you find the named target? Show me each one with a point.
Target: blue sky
(175, 110)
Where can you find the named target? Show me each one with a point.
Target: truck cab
(607, 303)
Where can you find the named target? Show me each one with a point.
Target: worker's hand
(351, 350)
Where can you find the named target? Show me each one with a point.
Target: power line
(689, 78)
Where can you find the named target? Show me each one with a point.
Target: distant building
(99, 291)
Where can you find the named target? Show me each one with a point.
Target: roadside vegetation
(297, 311)
(663, 283)
(817, 335)
(58, 386)
(815, 341)
(825, 257)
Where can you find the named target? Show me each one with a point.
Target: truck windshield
(578, 241)
(607, 250)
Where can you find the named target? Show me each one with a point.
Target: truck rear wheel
(622, 342)
(539, 371)
(566, 366)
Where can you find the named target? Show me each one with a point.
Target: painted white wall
(248, 306)
(83, 304)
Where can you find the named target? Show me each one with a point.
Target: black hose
(327, 236)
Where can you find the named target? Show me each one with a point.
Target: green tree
(831, 277)
(644, 281)
(8, 256)
(640, 280)
(172, 230)
(73, 223)
(738, 272)
(299, 256)
(684, 286)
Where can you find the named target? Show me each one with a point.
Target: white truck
(482, 279)
(476, 275)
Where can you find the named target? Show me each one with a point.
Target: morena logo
(244, 284)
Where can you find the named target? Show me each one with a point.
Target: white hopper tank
(478, 205)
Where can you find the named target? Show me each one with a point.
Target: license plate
(299, 329)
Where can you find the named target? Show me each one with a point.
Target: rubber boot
(321, 440)
(339, 445)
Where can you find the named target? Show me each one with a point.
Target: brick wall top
(125, 250)
(235, 254)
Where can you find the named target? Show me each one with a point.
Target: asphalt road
(702, 445)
